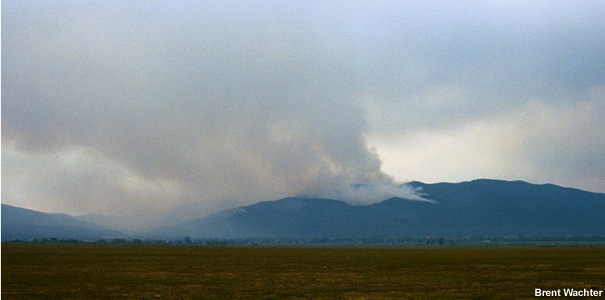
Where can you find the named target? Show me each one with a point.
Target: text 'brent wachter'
(568, 293)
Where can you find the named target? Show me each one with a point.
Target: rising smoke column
(116, 109)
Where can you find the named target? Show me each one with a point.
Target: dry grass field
(203, 272)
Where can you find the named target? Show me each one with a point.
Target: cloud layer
(117, 107)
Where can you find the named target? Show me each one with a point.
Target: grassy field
(180, 272)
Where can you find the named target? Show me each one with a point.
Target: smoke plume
(104, 112)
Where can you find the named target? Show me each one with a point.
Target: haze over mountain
(142, 222)
(476, 208)
(20, 223)
(479, 207)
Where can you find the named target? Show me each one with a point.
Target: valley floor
(211, 272)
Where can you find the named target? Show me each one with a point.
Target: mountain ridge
(478, 207)
(22, 223)
(482, 206)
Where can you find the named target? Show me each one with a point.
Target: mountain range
(20, 223)
(478, 207)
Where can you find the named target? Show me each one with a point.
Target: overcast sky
(122, 106)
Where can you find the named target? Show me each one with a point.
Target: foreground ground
(179, 272)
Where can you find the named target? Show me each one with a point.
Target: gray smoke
(121, 107)
(119, 110)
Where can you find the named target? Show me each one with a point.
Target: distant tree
(441, 241)
(119, 241)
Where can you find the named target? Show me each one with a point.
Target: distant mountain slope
(479, 207)
(516, 207)
(143, 221)
(108, 222)
(20, 223)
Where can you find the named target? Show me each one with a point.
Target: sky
(119, 107)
